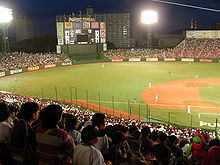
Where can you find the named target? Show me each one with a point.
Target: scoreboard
(81, 31)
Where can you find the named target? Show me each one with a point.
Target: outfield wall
(202, 60)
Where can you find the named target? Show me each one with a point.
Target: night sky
(43, 12)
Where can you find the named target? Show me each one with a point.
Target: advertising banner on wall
(86, 25)
(169, 59)
(104, 47)
(77, 25)
(102, 26)
(95, 25)
(33, 68)
(187, 59)
(58, 49)
(152, 59)
(96, 36)
(50, 66)
(103, 33)
(2, 74)
(60, 30)
(67, 63)
(68, 25)
(203, 34)
(117, 60)
(103, 40)
(205, 60)
(60, 41)
(134, 59)
(15, 71)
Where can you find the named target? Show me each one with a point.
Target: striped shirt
(54, 142)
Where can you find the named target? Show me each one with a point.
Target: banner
(67, 63)
(102, 26)
(203, 34)
(152, 59)
(95, 25)
(15, 71)
(134, 59)
(60, 41)
(104, 47)
(187, 59)
(33, 68)
(103, 40)
(77, 25)
(60, 30)
(205, 60)
(169, 59)
(117, 60)
(86, 25)
(68, 25)
(218, 60)
(50, 66)
(103, 33)
(2, 74)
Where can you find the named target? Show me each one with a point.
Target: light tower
(149, 17)
(5, 19)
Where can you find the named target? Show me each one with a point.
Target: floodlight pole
(149, 36)
(5, 42)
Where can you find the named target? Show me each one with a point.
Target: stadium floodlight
(5, 19)
(149, 17)
(5, 15)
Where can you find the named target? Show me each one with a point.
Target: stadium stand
(124, 135)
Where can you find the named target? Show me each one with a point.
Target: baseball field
(176, 92)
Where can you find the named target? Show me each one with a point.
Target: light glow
(5, 15)
(149, 17)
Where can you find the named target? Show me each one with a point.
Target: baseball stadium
(173, 90)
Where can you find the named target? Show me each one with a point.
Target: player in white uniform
(156, 98)
(189, 108)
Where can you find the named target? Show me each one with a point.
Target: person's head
(72, 123)
(51, 115)
(4, 112)
(118, 138)
(90, 134)
(172, 140)
(29, 111)
(163, 137)
(145, 131)
(98, 120)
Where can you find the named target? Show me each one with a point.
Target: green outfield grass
(116, 84)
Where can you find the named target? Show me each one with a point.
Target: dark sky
(43, 12)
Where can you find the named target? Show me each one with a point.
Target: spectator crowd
(75, 136)
(20, 60)
(188, 48)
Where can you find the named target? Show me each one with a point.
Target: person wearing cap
(85, 153)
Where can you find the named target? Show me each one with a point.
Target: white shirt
(76, 136)
(87, 155)
(102, 145)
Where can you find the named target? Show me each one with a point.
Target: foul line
(199, 114)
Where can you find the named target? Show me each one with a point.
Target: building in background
(23, 27)
(118, 29)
